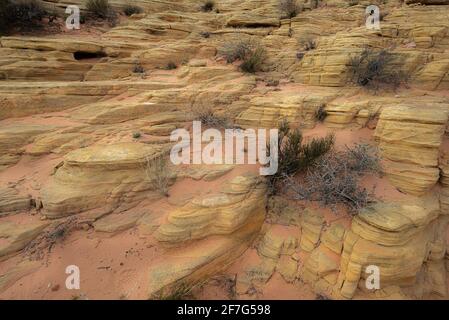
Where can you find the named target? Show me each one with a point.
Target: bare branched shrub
(236, 50)
(208, 6)
(294, 155)
(130, 9)
(158, 173)
(209, 117)
(320, 113)
(44, 242)
(250, 52)
(289, 8)
(334, 179)
(375, 69)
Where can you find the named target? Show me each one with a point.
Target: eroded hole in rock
(84, 55)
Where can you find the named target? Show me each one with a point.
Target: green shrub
(375, 69)
(137, 135)
(295, 156)
(131, 9)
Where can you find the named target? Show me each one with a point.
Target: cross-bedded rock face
(83, 112)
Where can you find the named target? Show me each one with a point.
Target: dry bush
(250, 52)
(375, 69)
(294, 155)
(208, 6)
(138, 68)
(130, 9)
(320, 113)
(22, 14)
(289, 8)
(158, 173)
(308, 44)
(208, 117)
(236, 50)
(170, 66)
(44, 242)
(334, 179)
(102, 9)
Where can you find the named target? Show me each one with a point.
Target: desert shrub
(22, 14)
(236, 50)
(209, 117)
(374, 69)
(137, 135)
(138, 68)
(334, 179)
(101, 9)
(250, 52)
(170, 66)
(308, 44)
(254, 60)
(294, 155)
(289, 8)
(158, 173)
(205, 34)
(130, 9)
(208, 6)
(320, 113)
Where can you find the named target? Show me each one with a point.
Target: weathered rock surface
(410, 138)
(100, 176)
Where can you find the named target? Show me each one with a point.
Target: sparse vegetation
(320, 113)
(208, 6)
(375, 69)
(21, 14)
(289, 8)
(102, 9)
(334, 179)
(250, 52)
(209, 117)
(171, 66)
(308, 44)
(130, 9)
(137, 135)
(138, 68)
(158, 173)
(294, 155)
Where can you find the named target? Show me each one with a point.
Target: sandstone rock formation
(84, 112)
